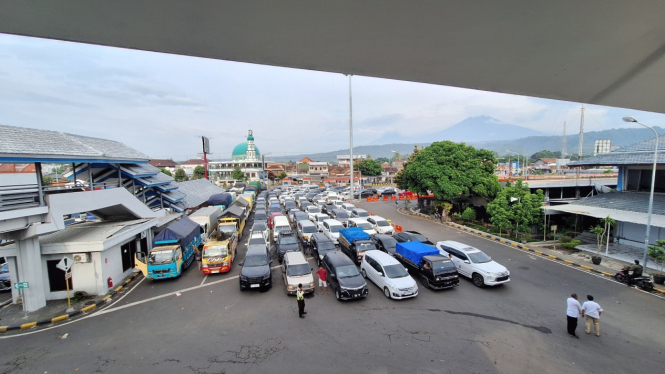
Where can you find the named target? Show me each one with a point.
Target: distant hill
(528, 145)
(472, 129)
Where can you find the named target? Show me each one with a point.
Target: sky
(159, 103)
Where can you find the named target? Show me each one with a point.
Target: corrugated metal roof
(197, 192)
(622, 206)
(90, 232)
(45, 144)
(640, 153)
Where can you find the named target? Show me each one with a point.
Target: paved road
(214, 328)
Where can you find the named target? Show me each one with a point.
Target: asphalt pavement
(199, 324)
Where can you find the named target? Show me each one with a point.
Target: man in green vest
(300, 297)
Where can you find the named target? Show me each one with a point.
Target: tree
(166, 172)
(450, 170)
(515, 205)
(199, 172)
(544, 154)
(303, 167)
(238, 174)
(602, 229)
(398, 179)
(396, 156)
(180, 176)
(47, 180)
(381, 160)
(369, 167)
(281, 175)
(469, 214)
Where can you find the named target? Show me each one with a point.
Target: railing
(19, 196)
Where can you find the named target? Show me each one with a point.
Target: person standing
(323, 275)
(592, 311)
(573, 311)
(198, 255)
(300, 297)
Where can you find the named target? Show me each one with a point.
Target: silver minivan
(306, 229)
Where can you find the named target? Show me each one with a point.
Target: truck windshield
(443, 267)
(227, 230)
(161, 257)
(216, 251)
(396, 271)
(298, 270)
(479, 257)
(336, 228)
(347, 271)
(364, 246)
(255, 261)
(287, 240)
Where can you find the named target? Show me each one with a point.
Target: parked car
(330, 228)
(292, 213)
(475, 264)
(5, 282)
(340, 215)
(281, 223)
(305, 229)
(380, 225)
(260, 216)
(343, 277)
(411, 236)
(389, 275)
(387, 192)
(318, 220)
(362, 223)
(327, 208)
(296, 270)
(261, 227)
(299, 216)
(256, 237)
(348, 207)
(256, 271)
(365, 193)
(275, 208)
(271, 219)
(311, 211)
(319, 245)
(304, 205)
(385, 243)
(287, 241)
(359, 213)
(289, 204)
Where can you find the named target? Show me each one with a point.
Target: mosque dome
(241, 151)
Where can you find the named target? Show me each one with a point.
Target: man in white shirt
(573, 311)
(592, 311)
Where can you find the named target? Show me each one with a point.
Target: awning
(619, 215)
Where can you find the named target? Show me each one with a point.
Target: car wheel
(338, 296)
(478, 280)
(386, 292)
(364, 273)
(425, 281)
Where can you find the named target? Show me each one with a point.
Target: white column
(31, 271)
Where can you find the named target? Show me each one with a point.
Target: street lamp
(653, 185)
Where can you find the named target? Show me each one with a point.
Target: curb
(520, 246)
(64, 317)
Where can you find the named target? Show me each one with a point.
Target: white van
(348, 207)
(280, 223)
(306, 229)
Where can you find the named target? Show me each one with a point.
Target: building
(245, 156)
(318, 168)
(189, 166)
(169, 165)
(343, 160)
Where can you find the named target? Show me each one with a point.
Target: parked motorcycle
(642, 282)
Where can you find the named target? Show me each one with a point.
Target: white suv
(381, 225)
(474, 263)
(388, 274)
(362, 223)
(331, 229)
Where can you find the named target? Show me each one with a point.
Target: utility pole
(581, 131)
(351, 136)
(563, 142)
(206, 150)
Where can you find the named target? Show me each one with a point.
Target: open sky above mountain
(158, 103)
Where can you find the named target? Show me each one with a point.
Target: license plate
(446, 283)
(254, 285)
(214, 271)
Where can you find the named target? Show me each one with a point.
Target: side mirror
(332, 275)
(270, 262)
(380, 274)
(241, 263)
(407, 270)
(467, 262)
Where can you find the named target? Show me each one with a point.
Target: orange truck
(219, 252)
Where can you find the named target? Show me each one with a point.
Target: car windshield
(298, 270)
(347, 271)
(336, 228)
(259, 240)
(396, 271)
(325, 246)
(259, 226)
(4, 268)
(305, 205)
(216, 251)
(309, 229)
(443, 267)
(260, 217)
(255, 261)
(418, 238)
(479, 257)
(364, 225)
(161, 257)
(364, 246)
(389, 243)
(342, 215)
(382, 223)
(362, 214)
(288, 240)
(313, 210)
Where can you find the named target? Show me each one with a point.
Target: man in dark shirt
(637, 272)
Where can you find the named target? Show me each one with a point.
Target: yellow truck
(219, 252)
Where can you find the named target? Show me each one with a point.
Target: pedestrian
(573, 312)
(300, 297)
(199, 256)
(323, 275)
(592, 311)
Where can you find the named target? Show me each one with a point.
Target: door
(465, 268)
(126, 255)
(141, 263)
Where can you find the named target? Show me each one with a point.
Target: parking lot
(205, 324)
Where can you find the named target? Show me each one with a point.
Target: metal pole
(653, 185)
(351, 137)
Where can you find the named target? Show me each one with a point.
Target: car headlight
(225, 263)
(266, 276)
(290, 287)
(311, 284)
(495, 275)
(243, 278)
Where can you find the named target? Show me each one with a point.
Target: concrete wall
(633, 234)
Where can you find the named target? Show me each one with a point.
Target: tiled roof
(635, 154)
(194, 161)
(43, 144)
(162, 163)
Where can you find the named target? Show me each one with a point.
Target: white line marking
(204, 279)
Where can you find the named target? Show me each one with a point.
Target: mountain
(526, 145)
(472, 129)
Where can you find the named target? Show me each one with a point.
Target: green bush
(469, 214)
(572, 244)
(565, 239)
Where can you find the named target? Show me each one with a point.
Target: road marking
(204, 279)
